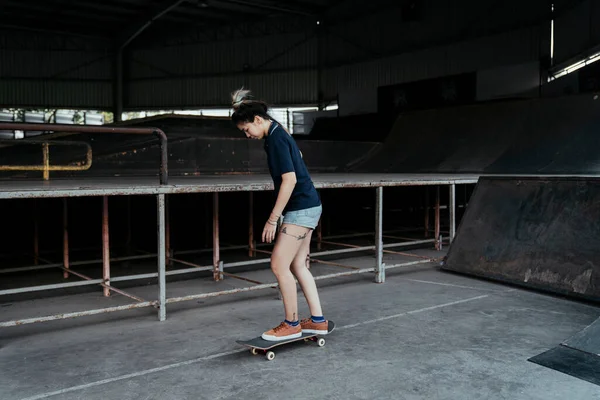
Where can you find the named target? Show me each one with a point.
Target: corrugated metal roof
(276, 88)
(59, 94)
(517, 47)
(200, 50)
(214, 59)
(110, 18)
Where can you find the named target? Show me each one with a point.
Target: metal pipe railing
(46, 167)
(163, 169)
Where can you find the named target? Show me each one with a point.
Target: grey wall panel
(43, 70)
(276, 88)
(59, 94)
(505, 49)
(55, 64)
(389, 30)
(226, 57)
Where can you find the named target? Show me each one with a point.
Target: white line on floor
(133, 375)
(458, 286)
(413, 312)
(228, 353)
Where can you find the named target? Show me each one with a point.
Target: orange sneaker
(319, 328)
(283, 332)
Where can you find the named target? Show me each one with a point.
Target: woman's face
(255, 129)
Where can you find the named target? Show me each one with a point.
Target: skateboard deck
(260, 345)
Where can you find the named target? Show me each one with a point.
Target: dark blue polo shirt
(283, 155)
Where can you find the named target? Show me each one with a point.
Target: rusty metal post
(65, 238)
(320, 230)
(36, 237)
(426, 212)
(380, 266)
(320, 233)
(207, 229)
(162, 258)
(128, 237)
(105, 246)
(437, 218)
(46, 162)
(216, 255)
(452, 209)
(251, 246)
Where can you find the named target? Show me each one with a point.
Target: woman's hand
(269, 231)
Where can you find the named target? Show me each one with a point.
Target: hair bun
(239, 96)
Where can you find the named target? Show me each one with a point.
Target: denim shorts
(309, 217)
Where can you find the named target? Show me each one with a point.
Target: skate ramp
(537, 136)
(578, 356)
(539, 233)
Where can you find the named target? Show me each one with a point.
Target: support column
(380, 266)
(452, 209)
(46, 160)
(162, 253)
(216, 255)
(426, 212)
(128, 239)
(118, 86)
(320, 227)
(251, 246)
(65, 238)
(320, 68)
(105, 247)
(320, 233)
(438, 244)
(36, 233)
(169, 251)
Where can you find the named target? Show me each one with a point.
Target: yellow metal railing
(82, 129)
(46, 167)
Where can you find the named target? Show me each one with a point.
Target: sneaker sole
(314, 332)
(280, 338)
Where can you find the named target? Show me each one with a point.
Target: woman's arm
(288, 182)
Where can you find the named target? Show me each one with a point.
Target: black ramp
(572, 362)
(587, 340)
(540, 233)
(535, 136)
(578, 356)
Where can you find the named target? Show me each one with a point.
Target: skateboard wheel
(254, 351)
(321, 342)
(270, 356)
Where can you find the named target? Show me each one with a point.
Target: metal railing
(163, 169)
(165, 255)
(46, 167)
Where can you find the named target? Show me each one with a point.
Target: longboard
(259, 345)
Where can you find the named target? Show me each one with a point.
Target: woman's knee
(278, 266)
(299, 264)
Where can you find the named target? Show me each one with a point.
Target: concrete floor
(424, 334)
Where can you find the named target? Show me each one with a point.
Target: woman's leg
(305, 278)
(289, 241)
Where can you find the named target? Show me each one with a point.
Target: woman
(300, 205)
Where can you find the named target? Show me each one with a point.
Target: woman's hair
(245, 109)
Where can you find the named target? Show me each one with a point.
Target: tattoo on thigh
(299, 237)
